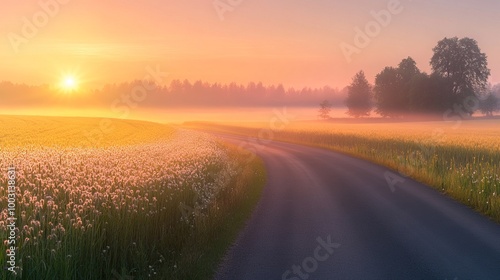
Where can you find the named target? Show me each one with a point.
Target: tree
(359, 95)
(496, 90)
(462, 63)
(408, 69)
(489, 105)
(429, 94)
(324, 110)
(393, 86)
(388, 95)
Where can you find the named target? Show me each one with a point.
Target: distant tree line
(459, 81)
(177, 94)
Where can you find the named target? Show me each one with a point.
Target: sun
(69, 83)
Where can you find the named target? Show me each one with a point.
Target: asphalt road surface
(325, 215)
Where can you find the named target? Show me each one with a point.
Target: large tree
(462, 63)
(393, 86)
(359, 96)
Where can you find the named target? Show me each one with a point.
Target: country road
(325, 215)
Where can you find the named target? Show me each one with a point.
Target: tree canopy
(462, 63)
(359, 95)
(392, 88)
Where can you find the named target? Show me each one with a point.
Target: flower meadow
(143, 209)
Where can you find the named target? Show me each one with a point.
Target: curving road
(325, 215)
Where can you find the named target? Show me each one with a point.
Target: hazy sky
(295, 42)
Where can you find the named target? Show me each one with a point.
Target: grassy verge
(466, 173)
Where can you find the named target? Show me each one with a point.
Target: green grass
(216, 233)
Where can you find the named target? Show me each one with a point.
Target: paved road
(324, 215)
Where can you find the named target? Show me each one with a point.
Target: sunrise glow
(69, 83)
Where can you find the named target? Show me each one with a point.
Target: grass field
(113, 199)
(459, 158)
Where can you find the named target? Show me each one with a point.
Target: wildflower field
(115, 199)
(460, 158)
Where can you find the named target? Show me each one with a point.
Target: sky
(294, 42)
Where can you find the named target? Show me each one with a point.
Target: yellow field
(28, 131)
(474, 133)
